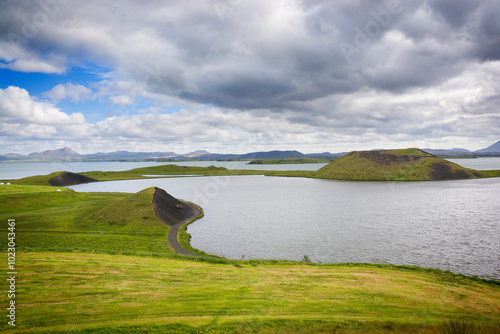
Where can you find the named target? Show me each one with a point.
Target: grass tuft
(459, 326)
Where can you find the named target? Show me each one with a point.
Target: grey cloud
(455, 12)
(298, 58)
(278, 57)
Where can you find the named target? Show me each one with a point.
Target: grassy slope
(145, 294)
(69, 221)
(408, 151)
(132, 214)
(354, 167)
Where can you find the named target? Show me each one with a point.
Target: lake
(450, 225)
(17, 170)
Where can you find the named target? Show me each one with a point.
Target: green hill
(411, 164)
(133, 213)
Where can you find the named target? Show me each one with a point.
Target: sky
(237, 76)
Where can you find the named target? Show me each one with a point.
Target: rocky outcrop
(170, 210)
(70, 179)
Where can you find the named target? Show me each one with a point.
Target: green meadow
(112, 223)
(101, 263)
(101, 293)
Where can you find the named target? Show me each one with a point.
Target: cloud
(262, 54)
(417, 70)
(75, 93)
(35, 65)
(16, 57)
(16, 106)
(122, 100)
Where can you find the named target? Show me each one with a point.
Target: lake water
(451, 225)
(479, 163)
(17, 170)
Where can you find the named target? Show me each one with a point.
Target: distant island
(410, 164)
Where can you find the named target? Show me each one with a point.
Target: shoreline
(175, 213)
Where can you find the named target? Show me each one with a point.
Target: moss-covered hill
(410, 164)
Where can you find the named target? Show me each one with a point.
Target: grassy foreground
(99, 293)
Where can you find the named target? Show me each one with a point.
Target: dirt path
(172, 239)
(174, 213)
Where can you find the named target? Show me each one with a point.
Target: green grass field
(101, 263)
(100, 293)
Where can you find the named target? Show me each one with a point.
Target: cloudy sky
(248, 75)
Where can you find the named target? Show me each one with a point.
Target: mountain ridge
(61, 152)
(495, 148)
(69, 154)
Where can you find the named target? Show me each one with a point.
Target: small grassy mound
(409, 164)
(133, 213)
(167, 170)
(58, 179)
(70, 179)
(41, 180)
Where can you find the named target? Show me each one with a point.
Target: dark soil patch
(174, 213)
(170, 210)
(387, 158)
(70, 179)
(443, 171)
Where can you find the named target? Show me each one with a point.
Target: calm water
(451, 225)
(17, 170)
(478, 163)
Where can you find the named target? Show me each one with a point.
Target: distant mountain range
(67, 154)
(62, 152)
(492, 150)
(495, 148)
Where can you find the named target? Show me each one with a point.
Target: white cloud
(17, 58)
(16, 106)
(76, 93)
(33, 65)
(122, 100)
(28, 131)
